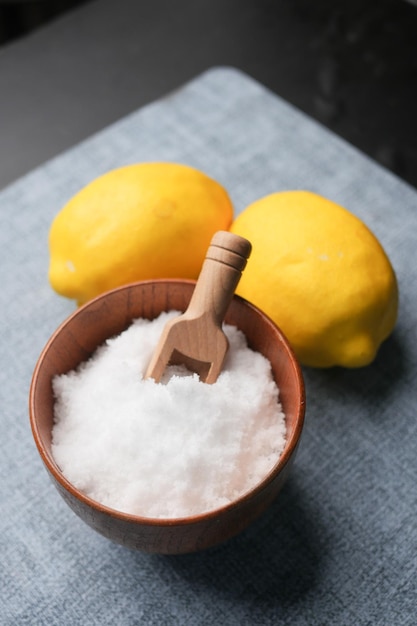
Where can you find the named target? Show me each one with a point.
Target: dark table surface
(351, 65)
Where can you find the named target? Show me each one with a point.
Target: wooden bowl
(108, 315)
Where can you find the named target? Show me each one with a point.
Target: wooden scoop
(195, 338)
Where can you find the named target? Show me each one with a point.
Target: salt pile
(168, 450)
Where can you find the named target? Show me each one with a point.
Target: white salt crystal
(167, 450)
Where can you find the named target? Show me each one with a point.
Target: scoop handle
(220, 274)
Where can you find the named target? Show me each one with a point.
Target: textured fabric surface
(339, 544)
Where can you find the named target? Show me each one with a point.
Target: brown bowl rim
(56, 473)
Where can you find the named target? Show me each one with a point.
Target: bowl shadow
(277, 560)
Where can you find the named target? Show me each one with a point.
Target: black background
(71, 67)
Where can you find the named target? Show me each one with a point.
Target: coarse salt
(169, 450)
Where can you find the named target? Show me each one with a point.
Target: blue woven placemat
(339, 545)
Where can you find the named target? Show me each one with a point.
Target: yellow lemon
(138, 222)
(321, 275)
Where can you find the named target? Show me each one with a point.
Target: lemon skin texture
(137, 222)
(321, 275)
